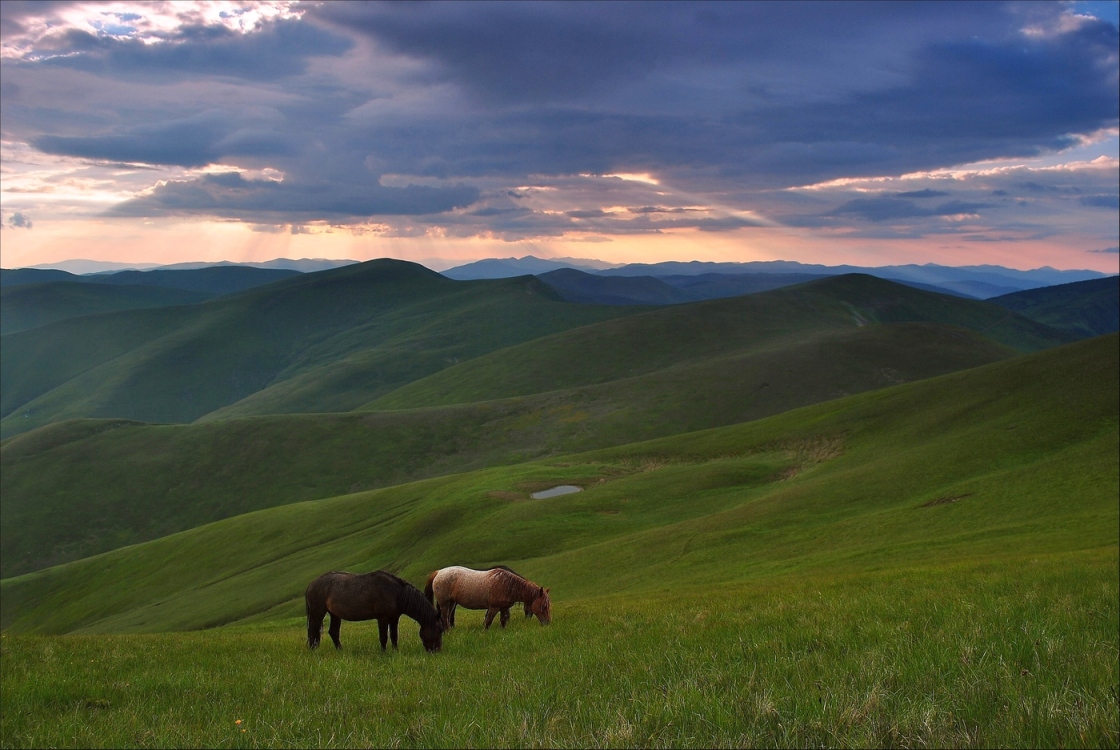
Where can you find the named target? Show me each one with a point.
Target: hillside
(578, 286)
(978, 465)
(211, 280)
(19, 276)
(678, 335)
(32, 305)
(177, 364)
(1082, 308)
(82, 487)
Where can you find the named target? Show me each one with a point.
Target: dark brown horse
(494, 590)
(377, 596)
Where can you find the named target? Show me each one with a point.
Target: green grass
(1021, 652)
(178, 364)
(78, 488)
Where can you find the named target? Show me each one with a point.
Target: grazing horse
(494, 590)
(379, 595)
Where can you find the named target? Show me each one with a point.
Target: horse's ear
(548, 589)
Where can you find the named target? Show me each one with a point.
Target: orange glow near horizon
(177, 241)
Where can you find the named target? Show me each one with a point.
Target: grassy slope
(687, 334)
(978, 465)
(177, 364)
(32, 305)
(1083, 308)
(78, 488)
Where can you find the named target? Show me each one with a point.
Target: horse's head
(432, 636)
(541, 606)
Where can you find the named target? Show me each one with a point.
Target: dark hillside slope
(577, 286)
(718, 285)
(81, 487)
(989, 464)
(19, 276)
(211, 280)
(673, 336)
(1083, 308)
(32, 305)
(160, 366)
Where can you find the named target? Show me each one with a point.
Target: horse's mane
(514, 586)
(412, 602)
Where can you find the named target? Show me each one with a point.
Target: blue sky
(869, 133)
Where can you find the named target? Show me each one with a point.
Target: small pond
(564, 489)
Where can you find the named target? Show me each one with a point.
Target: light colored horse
(494, 590)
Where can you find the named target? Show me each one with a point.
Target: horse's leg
(451, 618)
(490, 612)
(383, 630)
(393, 629)
(505, 616)
(336, 630)
(315, 617)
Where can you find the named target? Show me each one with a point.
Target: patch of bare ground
(945, 500)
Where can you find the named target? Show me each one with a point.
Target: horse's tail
(429, 590)
(313, 630)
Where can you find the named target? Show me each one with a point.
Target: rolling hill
(679, 335)
(175, 364)
(82, 487)
(979, 465)
(213, 280)
(32, 305)
(1082, 308)
(591, 288)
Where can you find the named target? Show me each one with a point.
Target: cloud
(887, 209)
(276, 50)
(20, 221)
(926, 193)
(1114, 250)
(1100, 201)
(230, 195)
(195, 141)
(422, 111)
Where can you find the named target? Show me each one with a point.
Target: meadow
(1016, 652)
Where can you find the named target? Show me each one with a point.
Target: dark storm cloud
(279, 50)
(927, 193)
(887, 209)
(1100, 201)
(190, 142)
(549, 51)
(230, 195)
(960, 102)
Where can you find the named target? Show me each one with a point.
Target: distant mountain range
(80, 266)
(980, 282)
